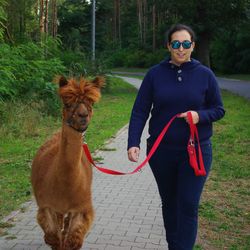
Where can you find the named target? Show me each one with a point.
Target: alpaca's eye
(89, 108)
(67, 106)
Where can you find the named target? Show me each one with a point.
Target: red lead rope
(191, 150)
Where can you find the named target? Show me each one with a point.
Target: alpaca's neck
(70, 151)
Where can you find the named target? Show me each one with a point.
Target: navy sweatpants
(180, 192)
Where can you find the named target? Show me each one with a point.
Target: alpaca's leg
(66, 224)
(51, 223)
(78, 226)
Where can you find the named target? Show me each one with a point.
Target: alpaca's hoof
(73, 243)
(53, 241)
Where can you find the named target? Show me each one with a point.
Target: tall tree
(41, 16)
(54, 18)
(117, 21)
(154, 26)
(145, 22)
(21, 19)
(46, 17)
(74, 18)
(3, 18)
(142, 21)
(208, 18)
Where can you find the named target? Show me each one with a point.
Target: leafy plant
(2, 19)
(26, 70)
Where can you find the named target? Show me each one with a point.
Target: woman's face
(180, 55)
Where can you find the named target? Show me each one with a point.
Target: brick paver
(128, 212)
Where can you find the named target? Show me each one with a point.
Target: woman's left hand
(194, 114)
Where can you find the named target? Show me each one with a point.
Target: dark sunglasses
(177, 44)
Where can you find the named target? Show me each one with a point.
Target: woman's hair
(179, 27)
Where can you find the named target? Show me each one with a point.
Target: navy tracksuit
(180, 192)
(165, 91)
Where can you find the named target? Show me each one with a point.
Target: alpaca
(61, 174)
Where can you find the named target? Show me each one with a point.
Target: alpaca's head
(78, 98)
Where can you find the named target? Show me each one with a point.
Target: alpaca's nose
(83, 117)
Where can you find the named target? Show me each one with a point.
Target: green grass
(197, 247)
(23, 129)
(224, 210)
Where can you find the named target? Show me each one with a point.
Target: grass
(23, 129)
(224, 210)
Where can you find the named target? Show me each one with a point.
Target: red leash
(192, 151)
(190, 147)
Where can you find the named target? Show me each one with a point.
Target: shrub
(26, 71)
(230, 51)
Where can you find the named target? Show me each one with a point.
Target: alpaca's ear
(98, 82)
(62, 81)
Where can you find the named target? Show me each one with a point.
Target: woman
(175, 86)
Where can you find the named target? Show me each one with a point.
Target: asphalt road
(238, 87)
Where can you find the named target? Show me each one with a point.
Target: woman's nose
(181, 48)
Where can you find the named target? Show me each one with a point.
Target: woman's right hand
(133, 154)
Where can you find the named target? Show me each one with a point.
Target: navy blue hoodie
(168, 89)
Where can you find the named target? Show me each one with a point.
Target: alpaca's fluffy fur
(61, 174)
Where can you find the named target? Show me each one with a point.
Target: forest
(42, 38)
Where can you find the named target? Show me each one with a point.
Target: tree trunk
(204, 37)
(54, 19)
(154, 28)
(22, 20)
(5, 28)
(41, 17)
(202, 49)
(46, 20)
(139, 14)
(119, 21)
(117, 25)
(115, 21)
(144, 23)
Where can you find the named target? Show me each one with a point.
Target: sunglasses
(177, 44)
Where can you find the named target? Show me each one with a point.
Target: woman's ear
(168, 46)
(193, 46)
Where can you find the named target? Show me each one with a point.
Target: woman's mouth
(180, 55)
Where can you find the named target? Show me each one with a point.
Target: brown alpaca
(61, 174)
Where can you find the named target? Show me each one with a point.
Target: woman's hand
(133, 154)
(194, 114)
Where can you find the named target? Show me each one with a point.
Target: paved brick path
(128, 213)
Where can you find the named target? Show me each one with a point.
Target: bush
(230, 51)
(2, 19)
(80, 64)
(116, 58)
(74, 62)
(26, 70)
(134, 58)
(155, 57)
